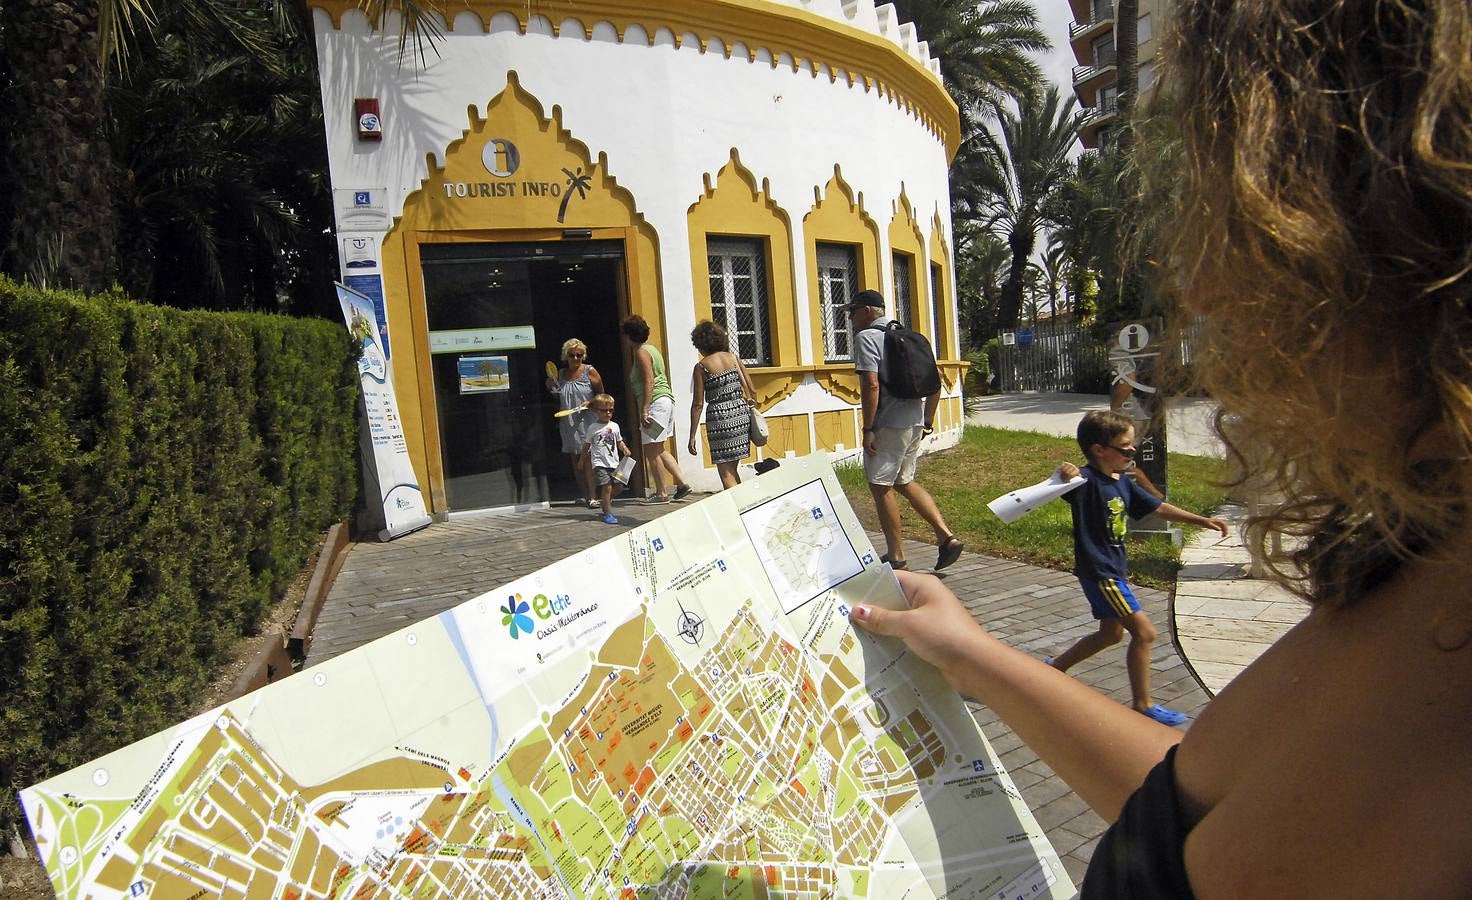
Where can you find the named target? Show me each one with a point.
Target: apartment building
(1096, 77)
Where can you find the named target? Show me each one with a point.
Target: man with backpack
(900, 386)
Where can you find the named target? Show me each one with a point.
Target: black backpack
(908, 370)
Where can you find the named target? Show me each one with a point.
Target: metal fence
(1062, 358)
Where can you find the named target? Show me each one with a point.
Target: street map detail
(681, 711)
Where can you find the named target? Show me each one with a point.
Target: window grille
(837, 284)
(738, 296)
(903, 310)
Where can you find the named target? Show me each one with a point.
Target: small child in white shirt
(606, 449)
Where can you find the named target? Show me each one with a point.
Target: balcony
(1083, 32)
(1094, 119)
(1088, 79)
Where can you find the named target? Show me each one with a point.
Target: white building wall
(665, 116)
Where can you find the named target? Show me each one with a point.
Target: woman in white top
(575, 385)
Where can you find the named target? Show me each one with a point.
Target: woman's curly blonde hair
(1325, 240)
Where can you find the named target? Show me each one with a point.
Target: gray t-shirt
(893, 412)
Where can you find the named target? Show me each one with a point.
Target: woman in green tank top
(656, 405)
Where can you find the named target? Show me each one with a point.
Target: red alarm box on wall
(370, 123)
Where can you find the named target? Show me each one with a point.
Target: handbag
(757, 430)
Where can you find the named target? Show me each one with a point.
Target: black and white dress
(727, 417)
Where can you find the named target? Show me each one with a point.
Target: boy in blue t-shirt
(1099, 507)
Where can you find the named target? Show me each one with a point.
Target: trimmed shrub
(163, 475)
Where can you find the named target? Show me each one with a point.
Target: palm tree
(1016, 174)
(1054, 270)
(57, 160)
(1126, 61)
(981, 264)
(60, 224)
(216, 123)
(985, 48)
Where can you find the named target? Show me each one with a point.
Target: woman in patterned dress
(574, 386)
(723, 389)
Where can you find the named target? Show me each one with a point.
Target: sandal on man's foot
(657, 498)
(896, 564)
(950, 551)
(1165, 715)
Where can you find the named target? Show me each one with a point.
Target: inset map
(801, 544)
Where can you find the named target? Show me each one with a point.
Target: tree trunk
(1127, 62)
(1011, 306)
(63, 225)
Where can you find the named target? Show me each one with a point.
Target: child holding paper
(606, 449)
(1099, 507)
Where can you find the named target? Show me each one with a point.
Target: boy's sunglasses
(1126, 452)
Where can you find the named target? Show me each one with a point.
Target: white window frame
(754, 344)
(838, 281)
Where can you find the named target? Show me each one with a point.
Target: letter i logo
(501, 158)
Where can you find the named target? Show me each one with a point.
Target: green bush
(164, 473)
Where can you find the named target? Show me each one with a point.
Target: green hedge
(164, 474)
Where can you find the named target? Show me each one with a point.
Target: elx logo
(516, 617)
(517, 614)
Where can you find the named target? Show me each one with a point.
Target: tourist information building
(552, 167)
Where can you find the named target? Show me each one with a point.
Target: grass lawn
(990, 462)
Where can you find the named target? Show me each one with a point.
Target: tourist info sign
(681, 711)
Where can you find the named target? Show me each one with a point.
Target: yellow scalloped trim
(813, 43)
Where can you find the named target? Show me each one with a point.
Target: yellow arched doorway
(518, 241)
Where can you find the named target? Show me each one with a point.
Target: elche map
(684, 710)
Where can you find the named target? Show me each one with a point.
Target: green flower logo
(515, 616)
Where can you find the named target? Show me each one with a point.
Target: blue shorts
(1110, 598)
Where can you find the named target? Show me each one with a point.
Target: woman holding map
(1321, 236)
(575, 384)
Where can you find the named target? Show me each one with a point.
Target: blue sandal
(1165, 715)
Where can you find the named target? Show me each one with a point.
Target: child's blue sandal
(1165, 715)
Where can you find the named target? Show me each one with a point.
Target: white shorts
(895, 454)
(661, 422)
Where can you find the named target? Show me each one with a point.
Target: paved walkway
(1225, 619)
(1189, 421)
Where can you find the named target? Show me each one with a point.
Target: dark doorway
(498, 313)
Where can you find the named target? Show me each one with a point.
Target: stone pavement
(383, 587)
(1189, 422)
(1225, 619)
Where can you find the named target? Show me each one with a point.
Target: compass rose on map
(690, 627)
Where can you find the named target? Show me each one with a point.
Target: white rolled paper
(1012, 505)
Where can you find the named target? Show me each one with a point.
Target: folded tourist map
(683, 710)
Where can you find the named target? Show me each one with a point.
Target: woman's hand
(552, 385)
(936, 627)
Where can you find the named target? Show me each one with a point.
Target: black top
(1099, 507)
(1143, 853)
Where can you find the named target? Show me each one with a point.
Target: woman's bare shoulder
(1341, 759)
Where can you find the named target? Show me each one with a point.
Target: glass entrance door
(498, 313)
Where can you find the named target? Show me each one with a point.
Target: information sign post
(1134, 353)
